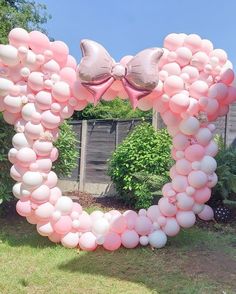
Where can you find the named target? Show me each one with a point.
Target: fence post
(156, 120)
(83, 155)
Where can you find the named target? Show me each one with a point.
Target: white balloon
(64, 204)
(208, 164)
(157, 239)
(143, 240)
(9, 55)
(70, 240)
(44, 210)
(5, 86)
(32, 179)
(100, 226)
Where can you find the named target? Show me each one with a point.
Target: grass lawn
(198, 260)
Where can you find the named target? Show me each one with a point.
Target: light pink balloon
(129, 239)
(118, 224)
(143, 225)
(153, 213)
(179, 183)
(23, 207)
(179, 103)
(55, 237)
(85, 222)
(88, 242)
(173, 85)
(63, 225)
(194, 152)
(197, 179)
(184, 56)
(207, 213)
(183, 167)
(38, 42)
(171, 228)
(186, 219)
(19, 37)
(167, 208)
(184, 202)
(202, 195)
(112, 241)
(60, 51)
(131, 217)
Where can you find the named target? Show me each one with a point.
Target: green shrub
(68, 151)
(6, 182)
(226, 172)
(140, 165)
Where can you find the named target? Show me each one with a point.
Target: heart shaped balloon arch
(187, 81)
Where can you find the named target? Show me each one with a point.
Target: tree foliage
(29, 15)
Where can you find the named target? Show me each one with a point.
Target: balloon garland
(187, 81)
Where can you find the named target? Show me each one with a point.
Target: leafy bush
(6, 183)
(68, 151)
(140, 165)
(116, 108)
(226, 172)
(67, 161)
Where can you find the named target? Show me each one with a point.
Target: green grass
(196, 261)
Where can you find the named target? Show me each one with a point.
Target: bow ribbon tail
(98, 90)
(134, 94)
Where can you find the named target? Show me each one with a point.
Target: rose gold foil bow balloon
(97, 71)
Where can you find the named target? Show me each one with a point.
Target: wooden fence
(99, 138)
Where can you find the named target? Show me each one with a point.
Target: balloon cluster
(39, 88)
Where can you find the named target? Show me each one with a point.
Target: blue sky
(125, 27)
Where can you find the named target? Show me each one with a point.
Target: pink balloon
(85, 222)
(193, 42)
(197, 179)
(38, 42)
(88, 242)
(166, 207)
(63, 225)
(173, 85)
(194, 152)
(19, 37)
(60, 51)
(186, 219)
(179, 103)
(143, 225)
(184, 202)
(129, 239)
(112, 241)
(118, 224)
(183, 167)
(207, 213)
(130, 217)
(173, 41)
(68, 75)
(23, 207)
(55, 237)
(71, 62)
(153, 213)
(181, 142)
(202, 195)
(180, 183)
(184, 56)
(171, 228)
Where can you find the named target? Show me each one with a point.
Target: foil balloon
(97, 71)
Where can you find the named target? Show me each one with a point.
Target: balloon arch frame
(188, 81)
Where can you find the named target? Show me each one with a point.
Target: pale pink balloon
(68, 75)
(183, 167)
(184, 202)
(227, 76)
(70, 240)
(199, 60)
(179, 183)
(61, 91)
(71, 62)
(55, 237)
(45, 210)
(87, 242)
(173, 41)
(25, 156)
(146, 103)
(167, 208)
(203, 136)
(197, 179)
(51, 180)
(153, 213)
(207, 46)
(17, 171)
(170, 118)
(81, 93)
(19, 37)
(130, 217)
(173, 85)
(54, 154)
(194, 152)
(186, 219)
(32, 219)
(193, 108)
(202, 195)
(63, 225)
(60, 51)
(218, 91)
(44, 165)
(179, 103)
(198, 89)
(55, 194)
(41, 193)
(189, 126)
(161, 220)
(160, 106)
(192, 73)
(181, 142)
(10, 118)
(42, 148)
(184, 56)
(33, 130)
(129, 239)
(118, 224)
(112, 241)
(45, 228)
(207, 213)
(193, 42)
(50, 120)
(220, 54)
(38, 42)
(143, 225)
(24, 207)
(171, 228)
(43, 100)
(85, 222)
(211, 149)
(172, 68)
